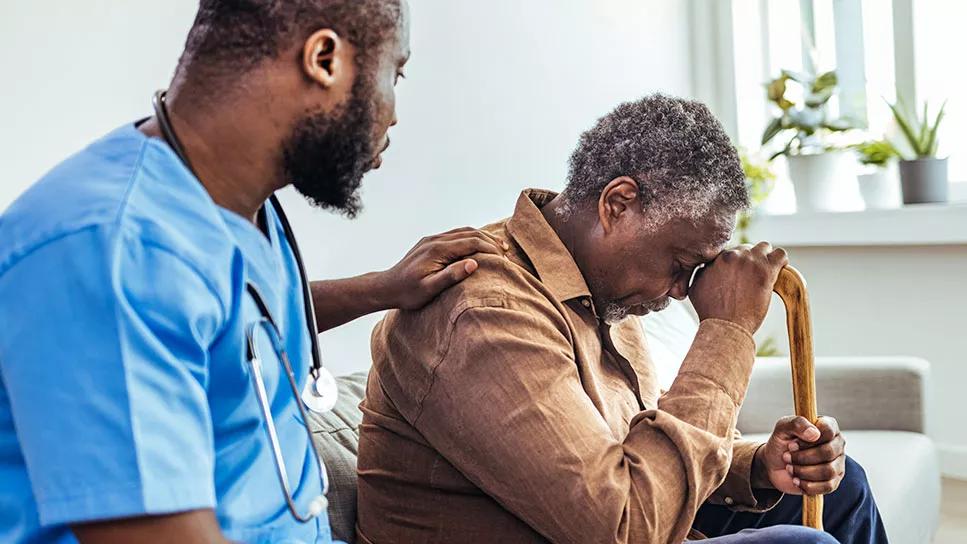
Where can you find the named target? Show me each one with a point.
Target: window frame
(713, 58)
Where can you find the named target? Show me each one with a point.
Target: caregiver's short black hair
(234, 35)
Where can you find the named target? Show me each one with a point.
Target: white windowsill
(916, 225)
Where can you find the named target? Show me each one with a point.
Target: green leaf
(767, 348)
(827, 80)
(773, 128)
(932, 141)
(904, 124)
(776, 91)
(875, 152)
(924, 127)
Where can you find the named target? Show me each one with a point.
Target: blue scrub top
(124, 387)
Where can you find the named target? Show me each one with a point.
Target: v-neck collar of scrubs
(261, 250)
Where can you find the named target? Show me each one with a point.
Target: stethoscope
(320, 392)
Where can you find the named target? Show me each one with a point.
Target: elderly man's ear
(619, 201)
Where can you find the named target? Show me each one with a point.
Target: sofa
(878, 401)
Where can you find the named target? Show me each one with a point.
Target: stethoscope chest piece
(320, 392)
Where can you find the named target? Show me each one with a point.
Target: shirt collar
(552, 261)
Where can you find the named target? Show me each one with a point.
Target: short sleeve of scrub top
(111, 361)
(124, 384)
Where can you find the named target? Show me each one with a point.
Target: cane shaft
(791, 288)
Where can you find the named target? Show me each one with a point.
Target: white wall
(72, 70)
(495, 97)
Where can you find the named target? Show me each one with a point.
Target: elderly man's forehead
(705, 238)
(709, 252)
(721, 236)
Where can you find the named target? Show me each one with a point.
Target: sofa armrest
(871, 393)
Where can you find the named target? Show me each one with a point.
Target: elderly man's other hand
(737, 285)
(801, 458)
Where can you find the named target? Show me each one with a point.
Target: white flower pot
(823, 182)
(880, 189)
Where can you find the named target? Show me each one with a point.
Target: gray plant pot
(924, 180)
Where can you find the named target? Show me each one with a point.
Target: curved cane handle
(791, 288)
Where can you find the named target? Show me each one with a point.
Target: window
(874, 58)
(939, 75)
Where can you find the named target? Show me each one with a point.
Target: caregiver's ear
(327, 59)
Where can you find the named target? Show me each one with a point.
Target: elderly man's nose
(679, 290)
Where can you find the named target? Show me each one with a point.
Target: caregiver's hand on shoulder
(802, 458)
(737, 285)
(436, 263)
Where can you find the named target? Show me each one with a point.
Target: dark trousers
(850, 516)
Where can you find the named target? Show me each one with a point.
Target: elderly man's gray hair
(676, 150)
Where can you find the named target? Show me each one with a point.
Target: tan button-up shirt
(505, 411)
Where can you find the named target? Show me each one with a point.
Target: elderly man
(522, 405)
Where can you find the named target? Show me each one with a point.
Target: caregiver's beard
(326, 155)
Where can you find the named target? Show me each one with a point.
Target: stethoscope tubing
(164, 122)
(318, 504)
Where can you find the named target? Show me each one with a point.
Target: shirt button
(586, 302)
(729, 501)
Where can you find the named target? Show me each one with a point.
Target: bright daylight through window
(876, 53)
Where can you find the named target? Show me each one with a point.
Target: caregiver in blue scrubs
(127, 409)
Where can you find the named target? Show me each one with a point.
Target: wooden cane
(791, 288)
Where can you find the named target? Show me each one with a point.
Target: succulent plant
(920, 134)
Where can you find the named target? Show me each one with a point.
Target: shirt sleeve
(736, 491)
(507, 409)
(103, 355)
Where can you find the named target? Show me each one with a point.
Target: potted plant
(759, 181)
(815, 163)
(878, 184)
(922, 174)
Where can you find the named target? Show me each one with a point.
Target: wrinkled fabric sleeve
(506, 408)
(104, 359)
(736, 491)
